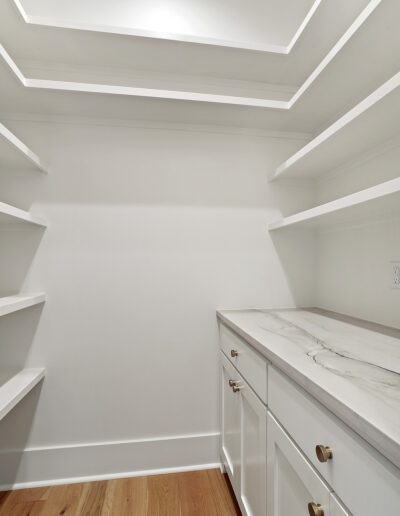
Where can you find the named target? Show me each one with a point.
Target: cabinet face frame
(281, 447)
(337, 508)
(230, 424)
(244, 441)
(253, 481)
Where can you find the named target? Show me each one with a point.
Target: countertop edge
(364, 428)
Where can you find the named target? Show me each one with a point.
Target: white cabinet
(231, 425)
(337, 508)
(254, 454)
(293, 484)
(244, 438)
(366, 482)
(275, 455)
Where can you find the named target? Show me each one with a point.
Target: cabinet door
(254, 453)
(337, 508)
(230, 435)
(292, 483)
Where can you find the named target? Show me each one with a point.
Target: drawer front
(292, 483)
(366, 482)
(337, 508)
(250, 364)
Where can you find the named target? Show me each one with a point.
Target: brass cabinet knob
(236, 388)
(232, 383)
(324, 453)
(315, 509)
(234, 353)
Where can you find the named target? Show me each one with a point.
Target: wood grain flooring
(197, 493)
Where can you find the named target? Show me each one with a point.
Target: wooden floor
(197, 493)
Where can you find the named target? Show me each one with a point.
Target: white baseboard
(37, 467)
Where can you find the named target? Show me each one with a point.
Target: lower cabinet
(244, 441)
(294, 458)
(294, 488)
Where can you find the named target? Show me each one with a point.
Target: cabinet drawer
(336, 507)
(250, 364)
(292, 483)
(366, 482)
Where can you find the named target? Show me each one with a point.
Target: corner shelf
(14, 153)
(12, 304)
(380, 199)
(371, 122)
(13, 388)
(10, 214)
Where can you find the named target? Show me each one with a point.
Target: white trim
(303, 25)
(184, 38)
(11, 304)
(84, 462)
(17, 386)
(152, 125)
(109, 89)
(339, 125)
(13, 214)
(378, 192)
(359, 21)
(21, 148)
(190, 95)
(120, 441)
(115, 476)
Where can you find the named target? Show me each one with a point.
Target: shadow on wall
(296, 251)
(17, 332)
(19, 245)
(20, 187)
(14, 434)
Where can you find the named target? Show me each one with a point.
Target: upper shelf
(10, 214)
(91, 46)
(14, 387)
(293, 30)
(370, 123)
(378, 200)
(189, 97)
(12, 304)
(14, 153)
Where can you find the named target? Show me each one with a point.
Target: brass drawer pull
(315, 509)
(234, 353)
(236, 388)
(232, 383)
(324, 453)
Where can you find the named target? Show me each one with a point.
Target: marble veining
(341, 358)
(357, 367)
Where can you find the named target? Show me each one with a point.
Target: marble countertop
(352, 367)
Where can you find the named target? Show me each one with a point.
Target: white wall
(151, 229)
(272, 22)
(354, 260)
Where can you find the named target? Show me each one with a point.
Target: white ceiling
(267, 22)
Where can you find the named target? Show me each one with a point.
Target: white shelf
(183, 38)
(14, 387)
(12, 304)
(371, 122)
(9, 214)
(14, 153)
(91, 47)
(367, 204)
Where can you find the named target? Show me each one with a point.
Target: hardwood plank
(223, 493)
(92, 499)
(64, 500)
(163, 495)
(197, 493)
(24, 501)
(126, 497)
(193, 489)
